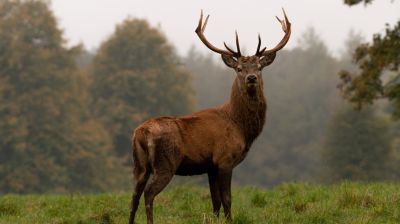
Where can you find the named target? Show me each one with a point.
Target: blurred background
(77, 77)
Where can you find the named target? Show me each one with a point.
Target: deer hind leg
(158, 183)
(215, 193)
(164, 162)
(224, 181)
(141, 174)
(140, 183)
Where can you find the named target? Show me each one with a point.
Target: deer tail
(139, 152)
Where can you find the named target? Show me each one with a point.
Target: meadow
(346, 202)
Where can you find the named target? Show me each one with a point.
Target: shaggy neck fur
(247, 109)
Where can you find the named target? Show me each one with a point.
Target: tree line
(67, 114)
(312, 134)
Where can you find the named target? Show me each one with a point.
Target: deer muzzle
(251, 80)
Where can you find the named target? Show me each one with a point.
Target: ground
(288, 203)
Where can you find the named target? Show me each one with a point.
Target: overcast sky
(92, 21)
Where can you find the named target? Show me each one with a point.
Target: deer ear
(229, 61)
(267, 59)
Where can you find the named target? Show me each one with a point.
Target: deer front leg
(224, 181)
(214, 191)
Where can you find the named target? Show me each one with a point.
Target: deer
(212, 141)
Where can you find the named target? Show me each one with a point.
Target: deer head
(248, 68)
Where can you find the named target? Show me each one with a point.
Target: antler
(258, 52)
(200, 32)
(286, 27)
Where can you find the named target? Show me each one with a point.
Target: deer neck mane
(247, 111)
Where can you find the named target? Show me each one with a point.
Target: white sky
(92, 21)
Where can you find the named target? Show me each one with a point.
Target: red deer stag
(211, 141)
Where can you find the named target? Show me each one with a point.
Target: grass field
(288, 203)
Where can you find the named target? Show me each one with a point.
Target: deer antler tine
(286, 21)
(282, 22)
(284, 14)
(205, 23)
(198, 28)
(259, 45)
(237, 44)
(200, 33)
(279, 20)
(229, 49)
(286, 27)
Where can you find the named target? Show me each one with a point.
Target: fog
(92, 21)
(67, 113)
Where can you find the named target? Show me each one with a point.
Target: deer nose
(251, 78)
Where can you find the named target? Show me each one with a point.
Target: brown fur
(212, 141)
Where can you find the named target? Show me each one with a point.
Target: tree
(212, 81)
(136, 75)
(300, 102)
(49, 142)
(378, 62)
(353, 40)
(357, 147)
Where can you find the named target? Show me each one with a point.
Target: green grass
(288, 203)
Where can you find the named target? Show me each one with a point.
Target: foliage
(136, 76)
(65, 112)
(302, 97)
(288, 203)
(379, 75)
(212, 81)
(48, 140)
(357, 147)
